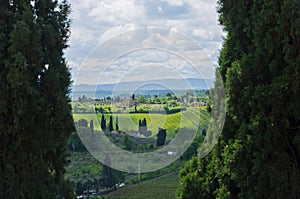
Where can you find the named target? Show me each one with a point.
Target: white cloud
(116, 11)
(117, 31)
(174, 2)
(96, 22)
(203, 34)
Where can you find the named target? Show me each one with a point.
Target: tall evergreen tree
(109, 180)
(258, 155)
(161, 137)
(110, 126)
(144, 122)
(103, 123)
(140, 125)
(92, 126)
(35, 115)
(117, 123)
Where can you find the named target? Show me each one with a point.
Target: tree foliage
(258, 155)
(109, 180)
(110, 125)
(117, 123)
(103, 123)
(161, 137)
(35, 119)
(92, 126)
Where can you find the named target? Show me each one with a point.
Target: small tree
(143, 127)
(135, 106)
(117, 123)
(140, 125)
(103, 123)
(92, 126)
(141, 99)
(110, 126)
(161, 137)
(144, 123)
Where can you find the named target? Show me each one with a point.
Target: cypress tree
(111, 127)
(92, 126)
(140, 125)
(35, 115)
(107, 173)
(161, 137)
(103, 123)
(117, 123)
(144, 122)
(258, 155)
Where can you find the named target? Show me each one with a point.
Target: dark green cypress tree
(161, 137)
(35, 115)
(110, 126)
(140, 125)
(109, 180)
(144, 122)
(92, 126)
(117, 123)
(258, 155)
(103, 123)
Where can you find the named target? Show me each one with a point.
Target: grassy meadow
(171, 122)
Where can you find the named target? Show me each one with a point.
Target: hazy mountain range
(162, 84)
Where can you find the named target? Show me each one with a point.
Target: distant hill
(163, 84)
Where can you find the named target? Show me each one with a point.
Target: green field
(171, 122)
(163, 187)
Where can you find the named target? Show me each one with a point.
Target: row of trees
(143, 128)
(110, 124)
(258, 155)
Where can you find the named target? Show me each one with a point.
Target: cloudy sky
(131, 40)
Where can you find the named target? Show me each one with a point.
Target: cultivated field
(162, 187)
(172, 122)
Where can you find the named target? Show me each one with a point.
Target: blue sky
(103, 28)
